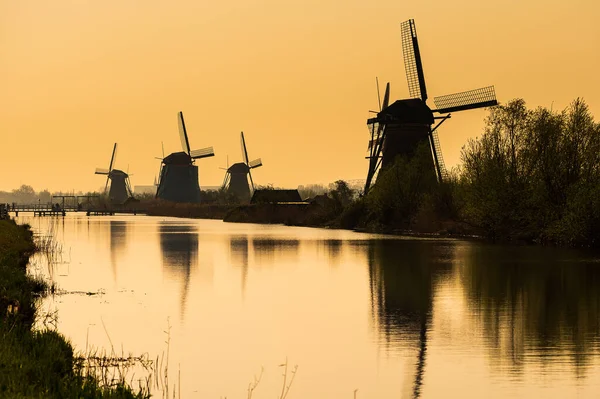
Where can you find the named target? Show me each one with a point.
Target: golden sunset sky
(298, 77)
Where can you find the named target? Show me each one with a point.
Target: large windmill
(401, 127)
(120, 189)
(178, 174)
(236, 177)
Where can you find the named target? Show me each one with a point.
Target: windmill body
(120, 188)
(400, 128)
(237, 176)
(407, 126)
(238, 181)
(178, 174)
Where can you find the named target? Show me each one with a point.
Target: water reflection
(333, 249)
(534, 303)
(238, 252)
(402, 276)
(179, 247)
(269, 250)
(423, 318)
(117, 242)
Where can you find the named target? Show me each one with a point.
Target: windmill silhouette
(399, 128)
(178, 180)
(237, 175)
(120, 188)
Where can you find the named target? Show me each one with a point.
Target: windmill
(236, 178)
(120, 189)
(399, 128)
(178, 180)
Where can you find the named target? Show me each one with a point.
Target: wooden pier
(58, 210)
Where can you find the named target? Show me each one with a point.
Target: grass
(38, 364)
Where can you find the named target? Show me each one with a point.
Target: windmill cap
(239, 167)
(412, 110)
(178, 158)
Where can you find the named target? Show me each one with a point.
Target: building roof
(275, 196)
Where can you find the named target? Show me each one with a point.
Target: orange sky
(298, 77)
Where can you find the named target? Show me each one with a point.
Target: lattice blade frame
(101, 171)
(113, 158)
(412, 61)
(202, 153)
(471, 99)
(255, 164)
(185, 143)
(244, 150)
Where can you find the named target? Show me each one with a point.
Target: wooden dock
(57, 210)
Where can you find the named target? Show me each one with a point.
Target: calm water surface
(393, 318)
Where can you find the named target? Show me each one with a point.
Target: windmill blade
(386, 97)
(113, 158)
(225, 180)
(101, 171)
(478, 98)
(185, 143)
(412, 61)
(378, 96)
(255, 164)
(251, 181)
(244, 150)
(163, 149)
(202, 153)
(374, 143)
(106, 185)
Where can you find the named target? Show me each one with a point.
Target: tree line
(532, 176)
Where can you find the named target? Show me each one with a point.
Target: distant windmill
(120, 189)
(236, 178)
(178, 174)
(401, 127)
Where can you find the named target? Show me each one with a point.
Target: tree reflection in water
(540, 302)
(531, 304)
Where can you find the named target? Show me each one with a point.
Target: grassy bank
(35, 364)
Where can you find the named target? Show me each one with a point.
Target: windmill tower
(120, 189)
(236, 177)
(401, 127)
(178, 174)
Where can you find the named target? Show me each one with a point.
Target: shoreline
(36, 363)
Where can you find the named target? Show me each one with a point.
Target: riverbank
(35, 364)
(194, 211)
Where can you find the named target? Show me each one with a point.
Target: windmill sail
(202, 153)
(102, 171)
(244, 150)
(113, 158)
(377, 132)
(412, 61)
(185, 143)
(478, 98)
(255, 164)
